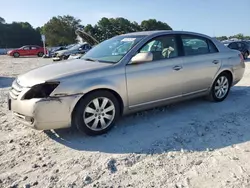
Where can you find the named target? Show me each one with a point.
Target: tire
(40, 54)
(94, 121)
(218, 96)
(65, 57)
(16, 54)
(246, 54)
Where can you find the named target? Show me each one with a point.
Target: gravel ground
(195, 144)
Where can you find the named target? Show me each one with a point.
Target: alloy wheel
(221, 87)
(99, 113)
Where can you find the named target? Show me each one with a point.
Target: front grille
(16, 89)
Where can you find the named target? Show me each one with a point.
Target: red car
(29, 50)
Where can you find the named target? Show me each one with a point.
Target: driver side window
(26, 48)
(163, 47)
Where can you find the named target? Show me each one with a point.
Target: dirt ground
(195, 144)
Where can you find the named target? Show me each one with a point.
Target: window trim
(196, 37)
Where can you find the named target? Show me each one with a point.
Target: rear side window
(34, 48)
(212, 47)
(233, 45)
(193, 45)
(240, 45)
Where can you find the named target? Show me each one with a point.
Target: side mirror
(142, 57)
(80, 49)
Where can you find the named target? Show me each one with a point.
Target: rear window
(194, 45)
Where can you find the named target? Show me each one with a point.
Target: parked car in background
(28, 50)
(75, 56)
(242, 46)
(52, 51)
(125, 74)
(76, 49)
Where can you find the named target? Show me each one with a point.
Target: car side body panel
(139, 87)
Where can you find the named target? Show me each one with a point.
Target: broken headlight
(41, 90)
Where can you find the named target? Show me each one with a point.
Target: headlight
(41, 90)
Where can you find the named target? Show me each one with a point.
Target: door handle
(177, 68)
(215, 61)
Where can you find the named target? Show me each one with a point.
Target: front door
(25, 51)
(201, 62)
(158, 80)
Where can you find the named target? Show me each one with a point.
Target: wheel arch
(116, 94)
(227, 71)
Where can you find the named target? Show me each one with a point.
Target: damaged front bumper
(44, 114)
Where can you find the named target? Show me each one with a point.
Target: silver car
(125, 74)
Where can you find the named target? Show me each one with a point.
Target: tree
(61, 30)
(18, 34)
(110, 27)
(222, 38)
(2, 20)
(153, 24)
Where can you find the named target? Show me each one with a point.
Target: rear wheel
(40, 54)
(96, 113)
(220, 88)
(246, 54)
(16, 54)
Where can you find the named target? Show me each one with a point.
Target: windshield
(70, 46)
(75, 47)
(112, 50)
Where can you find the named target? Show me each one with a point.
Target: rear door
(241, 46)
(201, 62)
(34, 50)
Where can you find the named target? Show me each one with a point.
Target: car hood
(87, 37)
(56, 71)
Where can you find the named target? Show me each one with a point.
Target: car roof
(147, 33)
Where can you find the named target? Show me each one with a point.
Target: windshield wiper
(89, 59)
(99, 61)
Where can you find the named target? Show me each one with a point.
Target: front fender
(80, 87)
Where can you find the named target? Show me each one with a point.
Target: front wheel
(220, 88)
(96, 113)
(16, 54)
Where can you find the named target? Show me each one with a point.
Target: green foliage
(222, 38)
(152, 24)
(18, 34)
(61, 30)
(239, 36)
(109, 27)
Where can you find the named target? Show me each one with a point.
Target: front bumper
(56, 59)
(44, 114)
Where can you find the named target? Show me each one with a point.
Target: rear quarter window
(212, 47)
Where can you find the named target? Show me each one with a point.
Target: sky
(211, 17)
